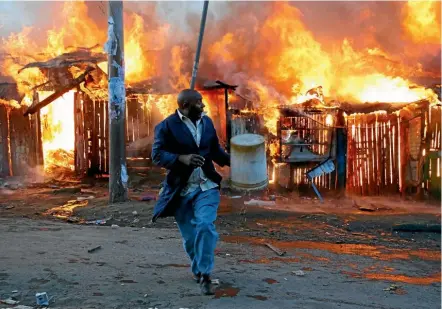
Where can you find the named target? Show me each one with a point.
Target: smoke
(259, 42)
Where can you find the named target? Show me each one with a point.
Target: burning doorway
(58, 133)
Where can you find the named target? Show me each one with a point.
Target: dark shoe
(206, 285)
(197, 277)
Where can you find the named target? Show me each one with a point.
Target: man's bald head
(190, 104)
(188, 96)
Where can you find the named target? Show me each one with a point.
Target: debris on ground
(9, 301)
(94, 249)
(235, 196)
(115, 226)
(97, 222)
(215, 281)
(84, 198)
(148, 198)
(417, 227)
(392, 287)
(364, 206)
(42, 299)
(9, 207)
(135, 213)
(254, 202)
(73, 219)
(276, 250)
(70, 190)
(299, 273)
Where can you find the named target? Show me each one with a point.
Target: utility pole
(200, 43)
(117, 104)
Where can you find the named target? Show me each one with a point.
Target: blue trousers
(195, 217)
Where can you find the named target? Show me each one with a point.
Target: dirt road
(146, 268)
(340, 254)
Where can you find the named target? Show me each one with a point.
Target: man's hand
(191, 160)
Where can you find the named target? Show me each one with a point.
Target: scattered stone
(299, 273)
(392, 287)
(254, 202)
(9, 301)
(364, 206)
(94, 249)
(73, 220)
(85, 198)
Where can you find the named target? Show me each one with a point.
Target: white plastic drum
(248, 164)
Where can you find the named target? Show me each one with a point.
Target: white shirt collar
(182, 117)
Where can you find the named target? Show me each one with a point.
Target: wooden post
(117, 105)
(5, 168)
(228, 119)
(200, 43)
(341, 150)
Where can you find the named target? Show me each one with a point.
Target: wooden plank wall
(433, 164)
(22, 144)
(372, 154)
(394, 153)
(91, 135)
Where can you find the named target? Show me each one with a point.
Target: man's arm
(169, 160)
(160, 156)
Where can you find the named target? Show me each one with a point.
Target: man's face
(196, 107)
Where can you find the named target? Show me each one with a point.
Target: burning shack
(318, 107)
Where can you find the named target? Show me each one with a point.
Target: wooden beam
(39, 105)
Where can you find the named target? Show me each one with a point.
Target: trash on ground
(136, 220)
(364, 206)
(236, 196)
(97, 222)
(259, 203)
(84, 198)
(9, 207)
(215, 281)
(94, 249)
(299, 273)
(71, 190)
(115, 226)
(259, 224)
(42, 299)
(9, 301)
(73, 219)
(392, 287)
(149, 197)
(276, 250)
(135, 213)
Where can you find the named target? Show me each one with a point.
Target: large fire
(270, 52)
